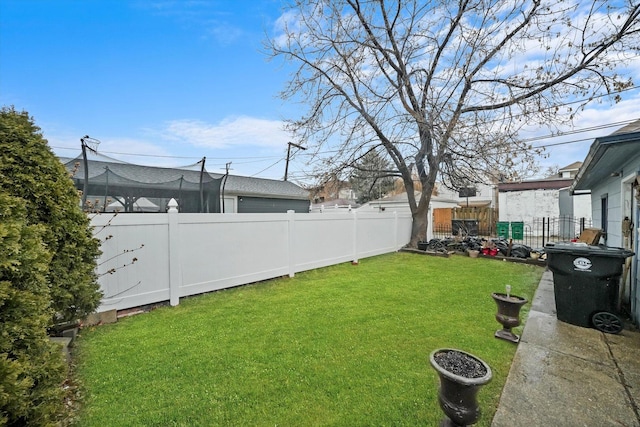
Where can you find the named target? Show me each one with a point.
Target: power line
(168, 156)
(537, 138)
(256, 159)
(267, 168)
(335, 151)
(573, 132)
(582, 130)
(552, 135)
(578, 101)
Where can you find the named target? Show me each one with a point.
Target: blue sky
(167, 82)
(161, 78)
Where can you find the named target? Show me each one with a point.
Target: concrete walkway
(566, 375)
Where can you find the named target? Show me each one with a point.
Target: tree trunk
(419, 224)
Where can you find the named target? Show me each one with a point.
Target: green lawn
(341, 346)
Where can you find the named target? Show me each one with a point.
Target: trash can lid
(582, 249)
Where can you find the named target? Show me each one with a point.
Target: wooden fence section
(442, 216)
(487, 217)
(181, 254)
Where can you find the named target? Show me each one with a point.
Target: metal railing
(534, 234)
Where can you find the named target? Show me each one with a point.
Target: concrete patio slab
(566, 375)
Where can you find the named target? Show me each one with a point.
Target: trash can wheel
(607, 322)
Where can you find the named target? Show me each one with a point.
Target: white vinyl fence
(182, 254)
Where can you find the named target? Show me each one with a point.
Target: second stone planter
(508, 315)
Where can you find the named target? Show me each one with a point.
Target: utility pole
(286, 168)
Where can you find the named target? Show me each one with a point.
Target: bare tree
(444, 86)
(552, 170)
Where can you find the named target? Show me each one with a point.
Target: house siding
(612, 189)
(609, 170)
(617, 209)
(267, 205)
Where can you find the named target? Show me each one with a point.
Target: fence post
(355, 237)
(175, 275)
(395, 229)
(291, 230)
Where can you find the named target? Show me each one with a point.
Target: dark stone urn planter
(508, 315)
(461, 376)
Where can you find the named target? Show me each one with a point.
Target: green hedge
(47, 272)
(29, 170)
(31, 367)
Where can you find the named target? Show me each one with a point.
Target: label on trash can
(582, 264)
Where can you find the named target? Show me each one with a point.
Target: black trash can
(586, 282)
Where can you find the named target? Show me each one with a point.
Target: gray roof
(630, 128)
(607, 155)
(237, 185)
(248, 186)
(572, 167)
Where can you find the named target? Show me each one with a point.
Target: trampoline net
(126, 187)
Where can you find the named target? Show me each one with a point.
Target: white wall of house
(582, 205)
(621, 202)
(527, 205)
(576, 206)
(617, 191)
(609, 191)
(186, 254)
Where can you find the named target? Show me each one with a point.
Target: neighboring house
(137, 188)
(544, 198)
(611, 175)
(337, 205)
(141, 205)
(569, 171)
(400, 203)
(333, 190)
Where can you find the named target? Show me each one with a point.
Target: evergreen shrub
(47, 272)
